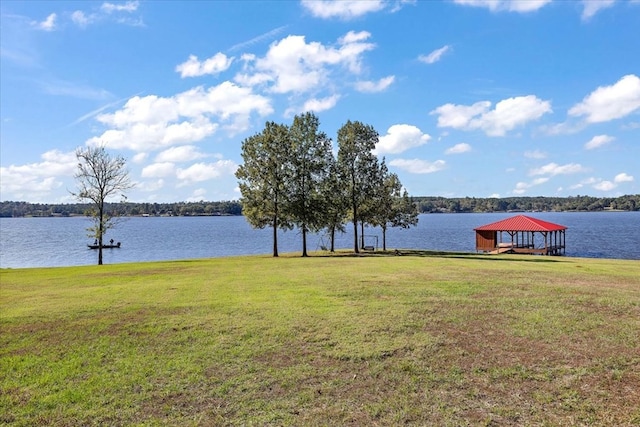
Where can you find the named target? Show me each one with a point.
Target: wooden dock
(528, 249)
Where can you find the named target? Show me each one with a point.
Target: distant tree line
(424, 204)
(529, 204)
(21, 209)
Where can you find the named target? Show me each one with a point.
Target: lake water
(52, 242)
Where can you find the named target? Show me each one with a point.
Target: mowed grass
(372, 340)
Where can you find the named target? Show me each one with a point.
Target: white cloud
(588, 181)
(252, 79)
(459, 116)
(34, 181)
(140, 157)
(150, 186)
(183, 153)
(130, 6)
(598, 141)
(193, 67)
(564, 128)
(204, 171)
(521, 6)
(623, 177)
(49, 24)
(434, 56)
(343, 9)
(151, 122)
(401, 138)
(535, 154)
(371, 87)
(556, 169)
(591, 7)
(610, 102)
(318, 105)
(354, 37)
(605, 186)
(293, 65)
(507, 114)
(458, 149)
(81, 19)
(197, 195)
(522, 187)
(418, 166)
(158, 170)
(120, 13)
(311, 71)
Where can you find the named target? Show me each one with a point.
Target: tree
(99, 177)
(405, 212)
(263, 179)
(384, 203)
(371, 205)
(335, 203)
(357, 164)
(309, 158)
(393, 206)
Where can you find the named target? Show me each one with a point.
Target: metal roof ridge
(522, 222)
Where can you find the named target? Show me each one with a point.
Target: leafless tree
(99, 177)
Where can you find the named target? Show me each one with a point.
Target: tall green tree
(100, 176)
(383, 206)
(264, 177)
(393, 206)
(405, 211)
(371, 205)
(335, 203)
(309, 158)
(357, 165)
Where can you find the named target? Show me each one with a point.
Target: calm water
(52, 242)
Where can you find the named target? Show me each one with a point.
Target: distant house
(523, 235)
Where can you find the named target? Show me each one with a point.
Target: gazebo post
(546, 244)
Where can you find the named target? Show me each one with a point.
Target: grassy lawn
(373, 340)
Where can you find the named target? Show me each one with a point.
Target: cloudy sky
(482, 98)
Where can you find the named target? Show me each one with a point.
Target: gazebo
(521, 234)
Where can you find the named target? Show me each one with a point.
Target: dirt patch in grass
(510, 379)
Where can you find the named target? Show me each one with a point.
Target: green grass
(441, 339)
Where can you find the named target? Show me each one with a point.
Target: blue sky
(479, 98)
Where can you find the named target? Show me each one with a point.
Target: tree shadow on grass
(446, 254)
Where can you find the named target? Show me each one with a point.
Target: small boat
(116, 246)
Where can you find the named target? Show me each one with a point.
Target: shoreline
(346, 253)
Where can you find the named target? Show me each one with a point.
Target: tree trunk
(100, 250)
(354, 205)
(355, 235)
(384, 238)
(275, 236)
(100, 234)
(333, 239)
(361, 235)
(304, 241)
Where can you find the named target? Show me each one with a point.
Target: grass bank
(417, 340)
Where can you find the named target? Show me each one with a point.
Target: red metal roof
(521, 223)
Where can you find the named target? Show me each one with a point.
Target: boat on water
(111, 246)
